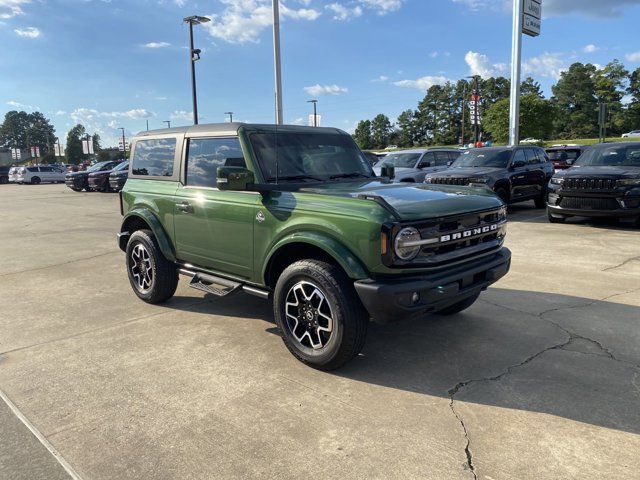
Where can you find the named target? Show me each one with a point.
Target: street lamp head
(196, 19)
(195, 54)
(312, 101)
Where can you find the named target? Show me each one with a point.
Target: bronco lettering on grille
(469, 233)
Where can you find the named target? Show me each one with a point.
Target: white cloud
(243, 21)
(343, 13)
(317, 90)
(298, 121)
(546, 65)
(381, 78)
(633, 57)
(423, 83)
(479, 64)
(12, 8)
(157, 45)
(382, 7)
(61, 112)
(591, 48)
(182, 115)
(14, 104)
(29, 32)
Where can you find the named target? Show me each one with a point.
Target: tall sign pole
(276, 58)
(527, 19)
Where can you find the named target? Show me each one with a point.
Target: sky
(118, 63)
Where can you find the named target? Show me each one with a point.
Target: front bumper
(98, 183)
(392, 299)
(75, 183)
(630, 203)
(117, 183)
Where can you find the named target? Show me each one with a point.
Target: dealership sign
(474, 109)
(532, 18)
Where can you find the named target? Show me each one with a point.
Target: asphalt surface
(540, 379)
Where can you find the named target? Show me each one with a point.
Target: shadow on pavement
(502, 357)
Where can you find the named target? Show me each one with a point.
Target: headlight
(629, 182)
(557, 181)
(478, 180)
(427, 180)
(404, 236)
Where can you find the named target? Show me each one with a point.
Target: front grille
(450, 181)
(586, 203)
(589, 184)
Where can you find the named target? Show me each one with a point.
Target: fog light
(415, 298)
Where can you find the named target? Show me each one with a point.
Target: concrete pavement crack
(632, 259)
(84, 259)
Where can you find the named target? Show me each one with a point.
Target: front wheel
(153, 278)
(554, 219)
(503, 195)
(541, 201)
(323, 323)
(35, 181)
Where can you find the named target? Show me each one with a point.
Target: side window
(442, 159)
(154, 158)
(428, 160)
(46, 169)
(32, 169)
(453, 156)
(205, 155)
(519, 156)
(532, 158)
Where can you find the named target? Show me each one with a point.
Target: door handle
(185, 207)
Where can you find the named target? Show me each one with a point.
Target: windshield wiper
(298, 177)
(349, 175)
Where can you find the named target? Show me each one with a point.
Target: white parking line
(41, 438)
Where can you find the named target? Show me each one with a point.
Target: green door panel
(214, 229)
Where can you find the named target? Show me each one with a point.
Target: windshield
(626, 156)
(121, 166)
(401, 160)
(563, 155)
(296, 157)
(97, 167)
(483, 158)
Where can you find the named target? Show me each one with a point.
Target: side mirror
(388, 171)
(236, 179)
(449, 163)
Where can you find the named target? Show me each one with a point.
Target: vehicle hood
(467, 172)
(120, 173)
(604, 172)
(413, 201)
(77, 174)
(100, 174)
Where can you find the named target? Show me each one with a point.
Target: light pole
(124, 145)
(230, 116)
(315, 115)
(194, 57)
(516, 56)
(276, 59)
(168, 122)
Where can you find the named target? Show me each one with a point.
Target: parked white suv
(36, 174)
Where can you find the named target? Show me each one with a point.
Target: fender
(342, 255)
(150, 219)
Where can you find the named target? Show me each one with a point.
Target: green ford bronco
(296, 215)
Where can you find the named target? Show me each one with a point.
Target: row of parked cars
(568, 180)
(102, 177)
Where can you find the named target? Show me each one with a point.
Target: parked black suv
(604, 182)
(119, 176)
(515, 174)
(563, 156)
(78, 181)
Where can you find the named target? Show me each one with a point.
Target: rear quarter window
(154, 157)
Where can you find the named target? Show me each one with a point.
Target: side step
(218, 286)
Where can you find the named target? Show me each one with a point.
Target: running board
(211, 283)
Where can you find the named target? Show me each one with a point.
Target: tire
(503, 195)
(553, 219)
(324, 299)
(458, 307)
(35, 181)
(541, 201)
(76, 189)
(158, 284)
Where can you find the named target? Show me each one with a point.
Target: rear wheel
(323, 323)
(35, 181)
(153, 278)
(541, 201)
(458, 307)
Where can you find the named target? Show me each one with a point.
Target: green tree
(40, 132)
(610, 83)
(74, 145)
(408, 132)
(576, 104)
(536, 118)
(97, 147)
(632, 113)
(493, 90)
(362, 135)
(531, 87)
(381, 130)
(104, 156)
(439, 115)
(13, 132)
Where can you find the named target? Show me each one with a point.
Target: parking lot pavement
(540, 379)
